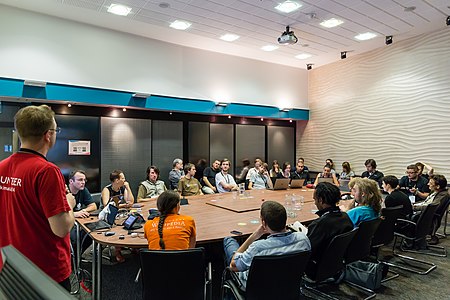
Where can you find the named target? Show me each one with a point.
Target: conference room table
(215, 217)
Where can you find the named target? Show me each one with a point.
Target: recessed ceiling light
(269, 48)
(288, 6)
(229, 37)
(119, 9)
(330, 23)
(180, 25)
(365, 36)
(303, 56)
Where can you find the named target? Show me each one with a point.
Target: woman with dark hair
(326, 174)
(286, 169)
(276, 171)
(347, 172)
(330, 162)
(170, 231)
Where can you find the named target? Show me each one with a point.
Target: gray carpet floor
(119, 278)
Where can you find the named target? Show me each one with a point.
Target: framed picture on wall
(77, 147)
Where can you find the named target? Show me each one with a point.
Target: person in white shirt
(224, 181)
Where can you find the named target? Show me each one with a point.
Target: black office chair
(437, 220)
(282, 272)
(359, 249)
(330, 265)
(175, 274)
(414, 233)
(384, 235)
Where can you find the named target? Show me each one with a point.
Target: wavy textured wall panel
(391, 104)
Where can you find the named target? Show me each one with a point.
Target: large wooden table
(215, 216)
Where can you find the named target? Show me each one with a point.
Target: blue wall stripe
(86, 95)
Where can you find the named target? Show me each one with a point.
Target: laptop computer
(323, 179)
(281, 184)
(343, 185)
(297, 183)
(108, 222)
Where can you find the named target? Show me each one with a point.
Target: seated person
(301, 159)
(439, 194)
(330, 223)
(424, 167)
(367, 198)
(372, 172)
(260, 180)
(413, 184)
(120, 188)
(84, 205)
(396, 197)
(200, 168)
(209, 178)
(152, 187)
(330, 162)
(176, 173)
(347, 172)
(170, 231)
(276, 172)
(286, 170)
(246, 167)
(189, 185)
(300, 172)
(224, 181)
(280, 241)
(326, 174)
(255, 169)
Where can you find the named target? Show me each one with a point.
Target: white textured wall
(391, 104)
(40, 47)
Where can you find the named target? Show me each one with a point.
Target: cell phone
(236, 232)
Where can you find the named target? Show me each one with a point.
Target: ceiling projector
(287, 37)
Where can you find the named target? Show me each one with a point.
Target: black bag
(366, 274)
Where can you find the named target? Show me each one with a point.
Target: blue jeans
(230, 245)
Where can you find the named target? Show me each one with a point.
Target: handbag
(365, 274)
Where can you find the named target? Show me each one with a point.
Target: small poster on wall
(79, 147)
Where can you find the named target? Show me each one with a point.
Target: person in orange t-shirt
(170, 231)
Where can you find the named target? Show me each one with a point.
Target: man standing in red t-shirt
(36, 216)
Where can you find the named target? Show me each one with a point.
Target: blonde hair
(32, 122)
(368, 187)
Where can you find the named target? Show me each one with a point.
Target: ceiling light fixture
(229, 37)
(288, 6)
(388, 40)
(69, 105)
(119, 9)
(285, 109)
(288, 37)
(124, 109)
(180, 25)
(35, 83)
(141, 95)
(303, 56)
(223, 104)
(365, 36)
(309, 66)
(269, 48)
(262, 119)
(343, 54)
(330, 23)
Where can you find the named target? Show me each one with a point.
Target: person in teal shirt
(366, 205)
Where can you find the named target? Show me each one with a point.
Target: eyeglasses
(56, 130)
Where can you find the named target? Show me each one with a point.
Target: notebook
(281, 184)
(297, 183)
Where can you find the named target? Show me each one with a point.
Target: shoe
(421, 245)
(406, 245)
(434, 240)
(119, 256)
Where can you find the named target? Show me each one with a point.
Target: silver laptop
(281, 184)
(343, 185)
(297, 183)
(322, 179)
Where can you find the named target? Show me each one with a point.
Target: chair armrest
(233, 276)
(406, 221)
